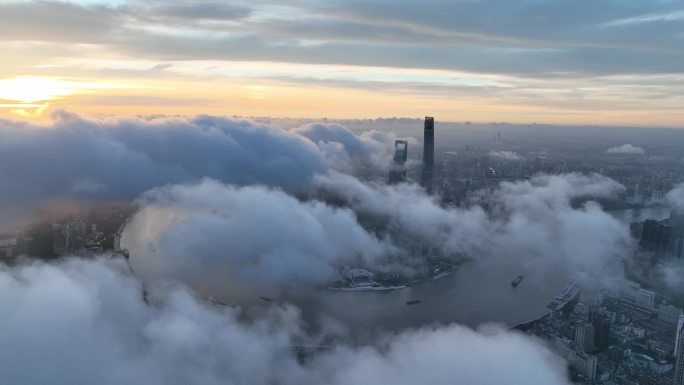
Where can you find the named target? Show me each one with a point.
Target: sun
(31, 89)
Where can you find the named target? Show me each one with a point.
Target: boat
(517, 281)
(413, 302)
(265, 299)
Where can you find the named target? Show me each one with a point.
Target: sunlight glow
(30, 89)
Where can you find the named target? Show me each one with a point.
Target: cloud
(119, 158)
(505, 155)
(675, 197)
(625, 149)
(80, 322)
(545, 225)
(237, 243)
(58, 21)
(555, 37)
(343, 145)
(200, 11)
(532, 222)
(407, 214)
(249, 238)
(320, 132)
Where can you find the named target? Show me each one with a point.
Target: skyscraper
(426, 179)
(601, 325)
(678, 338)
(584, 337)
(398, 170)
(679, 352)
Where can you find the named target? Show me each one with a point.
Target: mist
(78, 322)
(79, 159)
(246, 241)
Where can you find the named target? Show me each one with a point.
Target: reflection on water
(472, 296)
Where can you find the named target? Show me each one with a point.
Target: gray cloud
(83, 322)
(326, 133)
(124, 157)
(200, 10)
(57, 21)
(373, 148)
(532, 38)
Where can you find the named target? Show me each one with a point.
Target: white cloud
(675, 197)
(221, 239)
(85, 322)
(506, 155)
(625, 149)
(244, 237)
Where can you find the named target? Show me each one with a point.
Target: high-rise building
(679, 352)
(427, 177)
(59, 239)
(584, 336)
(678, 338)
(601, 325)
(585, 364)
(677, 235)
(398, 170)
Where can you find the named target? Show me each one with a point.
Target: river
(475, 294)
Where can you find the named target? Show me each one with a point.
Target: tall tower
(426, 179)
(679, 352)
(398, 170)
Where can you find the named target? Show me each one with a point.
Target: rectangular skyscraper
(584, 337)
(398, 170)
(427, 176)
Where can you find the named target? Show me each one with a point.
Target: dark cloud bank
(119, 158)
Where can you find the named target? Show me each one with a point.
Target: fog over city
(332, 192)
(265, 214)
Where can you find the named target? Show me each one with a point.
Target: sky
(611, 62)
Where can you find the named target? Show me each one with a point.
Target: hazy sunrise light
(335, 192)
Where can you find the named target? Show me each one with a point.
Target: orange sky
(344, 61)
(35, 97)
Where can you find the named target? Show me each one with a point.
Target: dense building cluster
(71, 232)
(617, 336)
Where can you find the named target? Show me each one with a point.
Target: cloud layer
(83, 322)
(76, 158)
(220, 239)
